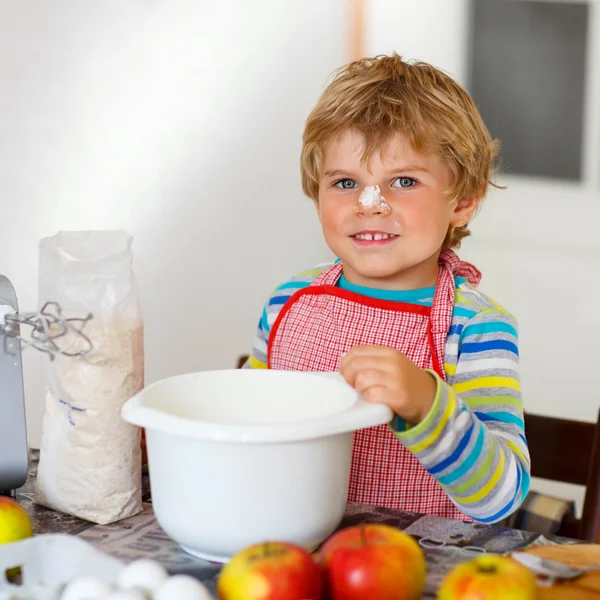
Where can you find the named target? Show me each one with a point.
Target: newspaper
(445, 542)
(142, 537)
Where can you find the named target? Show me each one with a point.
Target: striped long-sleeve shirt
(472, 441)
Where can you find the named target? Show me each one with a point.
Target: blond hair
(383, 96)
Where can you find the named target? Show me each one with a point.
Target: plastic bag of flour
(90, 459)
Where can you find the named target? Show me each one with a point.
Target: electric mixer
(49, 332)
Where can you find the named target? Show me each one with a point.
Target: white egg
(145, 574)
(86, 588)
(182, 587)
(132, 594)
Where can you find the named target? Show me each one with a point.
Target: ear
(464, 211)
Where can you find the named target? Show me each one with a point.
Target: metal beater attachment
(49, 331)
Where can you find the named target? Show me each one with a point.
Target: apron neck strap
(330, 276)
(460, 268)
(443, 300)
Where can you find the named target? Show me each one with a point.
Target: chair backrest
(569, 451)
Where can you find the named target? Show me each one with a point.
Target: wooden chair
(569, 451)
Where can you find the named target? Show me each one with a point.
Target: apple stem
(488, 569)
(363, 535)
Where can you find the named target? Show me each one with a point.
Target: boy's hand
(386, 376)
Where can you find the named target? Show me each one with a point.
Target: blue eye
(346, 184)
(405, 182)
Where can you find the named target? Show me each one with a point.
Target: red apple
(373, 561)
(489, 577)
(271, 571)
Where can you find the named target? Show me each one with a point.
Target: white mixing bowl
(237, 457)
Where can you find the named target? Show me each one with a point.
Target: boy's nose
(382, 209)
(371, 203)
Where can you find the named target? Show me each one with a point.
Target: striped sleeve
(258, 357)
(473, 440)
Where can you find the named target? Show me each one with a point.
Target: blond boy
(397, 159)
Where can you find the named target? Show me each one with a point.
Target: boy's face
(413, 186)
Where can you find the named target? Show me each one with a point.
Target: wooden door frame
(357, 29)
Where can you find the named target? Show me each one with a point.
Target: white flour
(90, 459)
(371, 196)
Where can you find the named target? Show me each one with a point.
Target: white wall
(179, 121)
(537, 242)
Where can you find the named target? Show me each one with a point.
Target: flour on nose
(371, 196)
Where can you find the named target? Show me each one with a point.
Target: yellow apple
(14, 526)
(489, 577)
(271, 571)
(14, 521)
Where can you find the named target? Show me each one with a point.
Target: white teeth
(374, 236)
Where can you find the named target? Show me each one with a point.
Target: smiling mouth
(374, 236)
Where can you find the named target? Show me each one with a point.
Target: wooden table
(141, 536)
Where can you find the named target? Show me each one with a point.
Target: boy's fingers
(377, 394)
(372, 386)
(361, 379)
(368, 361)
(368, 378)
(380, 351)
(361, 351)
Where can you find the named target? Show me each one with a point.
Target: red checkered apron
(321, 322)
